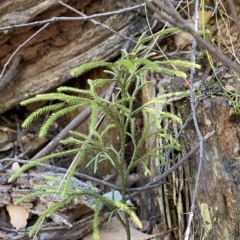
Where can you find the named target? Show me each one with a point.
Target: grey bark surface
(217, 207)
(48, 58)
(64, 223)
(216, 214)
(45, 64)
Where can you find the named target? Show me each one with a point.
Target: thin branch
(234, 14)
(11, 73)
(193, 110)
(57, 170)
(49, 21)
(20, 46)
(76, 174)
(95, 22)
(154, 183)
(87, 177)
(56, 19)
(174, 167)
(178, 21)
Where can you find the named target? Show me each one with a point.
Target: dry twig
(57, 19)
(178, 21)
(193, 108)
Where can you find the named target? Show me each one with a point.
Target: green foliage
(127, 74)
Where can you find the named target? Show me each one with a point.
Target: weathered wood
(217, 207)
(65, 222)
(51, 230)
(152, 206)
(49, 57)
(24, 184)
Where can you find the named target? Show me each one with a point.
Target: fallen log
(62, 45)
(72, 221)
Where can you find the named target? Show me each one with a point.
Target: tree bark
(48, 58)
(72, 221)
(217, 204)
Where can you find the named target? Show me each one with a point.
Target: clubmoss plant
(127, 74)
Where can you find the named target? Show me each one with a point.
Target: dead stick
(173, 168)
(11, 73)
(178, 21)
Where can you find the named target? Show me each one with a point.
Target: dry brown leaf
(115, 231)
(3, 136)
(227, 75)
(6, 147)
(7, 129)
(182, 39)
(35, 143)
(230, 88)
(18, 216)
(203, 17)
(28, 137)
(15, 166)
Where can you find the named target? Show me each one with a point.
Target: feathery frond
(127, 75)
(88, 66)
(55, 116)
(40, 111)
(31, 164)
(179, 63)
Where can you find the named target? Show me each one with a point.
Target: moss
(206, 216)
(234, 117)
